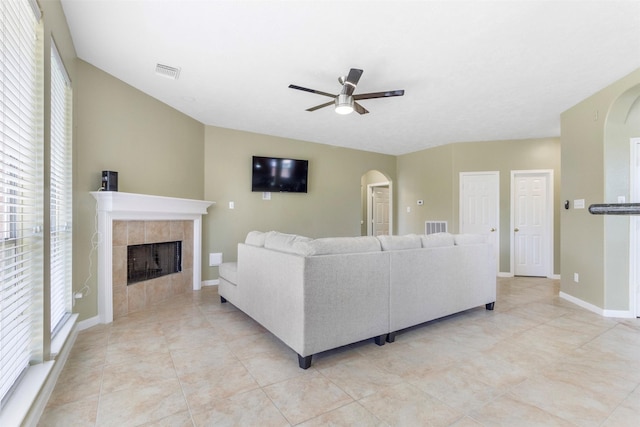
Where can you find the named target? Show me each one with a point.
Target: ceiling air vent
(167, 71)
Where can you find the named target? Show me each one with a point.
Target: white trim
(28, 401)
(549, 218)
(214, 282)
(634, 224)
(624, 314)
(88, 323)
(26, 394)
(113, 205)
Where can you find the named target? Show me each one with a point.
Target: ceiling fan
(345, 101)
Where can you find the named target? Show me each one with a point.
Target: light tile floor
(536, 360)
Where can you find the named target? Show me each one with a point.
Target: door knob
(492, 230)
(516, 229)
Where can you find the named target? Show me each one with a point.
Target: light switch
(232, 205)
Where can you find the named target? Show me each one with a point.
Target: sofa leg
(490, 305)
(391, 337)
(304, 362)
(223, 300)
(380, 339)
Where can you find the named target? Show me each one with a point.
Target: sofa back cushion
(437, 240)
(397, 243)
(255, 238)
(283, 242)
(469, 239)
(338, 245)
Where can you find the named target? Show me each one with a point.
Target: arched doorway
(377, 204)
(622, 133)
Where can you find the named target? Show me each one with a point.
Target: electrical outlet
(576, 277)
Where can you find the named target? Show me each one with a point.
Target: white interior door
(381, 211)
(480, 206)
(530, 219)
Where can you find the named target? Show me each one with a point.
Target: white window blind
(20, 182)
(61, 190)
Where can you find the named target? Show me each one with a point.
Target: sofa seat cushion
(398, 243)
(437, 240)
(338, 245)
(229, 272)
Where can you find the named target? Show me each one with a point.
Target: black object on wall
(109, 181)
(279, 175)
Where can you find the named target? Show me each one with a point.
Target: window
(61, 191)
(20, 191)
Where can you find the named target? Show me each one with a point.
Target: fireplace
(151, 260)
(126, 219)
(149, 241)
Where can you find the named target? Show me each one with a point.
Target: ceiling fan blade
(352, 81)
(359, 108)
(312, 91)
(317, 107)
(379, 94)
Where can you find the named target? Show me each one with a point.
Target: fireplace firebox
(152, 260)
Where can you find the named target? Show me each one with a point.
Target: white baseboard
(87, 323)
(624, 314)
(509, 274)
(213, 282)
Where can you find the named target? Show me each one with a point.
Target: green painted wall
(332, 206)
(154, 148)
(433, 175)
(595, 164)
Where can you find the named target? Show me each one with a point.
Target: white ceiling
(471, 70)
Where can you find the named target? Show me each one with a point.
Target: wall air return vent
(432, 227)
(167, 71)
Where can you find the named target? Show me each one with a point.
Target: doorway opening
(377, 204)
(634, 232)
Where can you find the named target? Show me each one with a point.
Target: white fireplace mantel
(117, 206)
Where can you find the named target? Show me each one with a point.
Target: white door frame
(634, 223)
(548, 247)
(461, 212)
(370, 188)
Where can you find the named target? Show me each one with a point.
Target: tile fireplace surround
(127, 218)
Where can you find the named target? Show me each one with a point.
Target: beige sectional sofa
(319, 294)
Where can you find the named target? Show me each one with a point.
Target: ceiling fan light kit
(345, 100)
(344, 104)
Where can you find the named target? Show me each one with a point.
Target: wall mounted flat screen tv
(279, 175)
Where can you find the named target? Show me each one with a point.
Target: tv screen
(279, 175)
